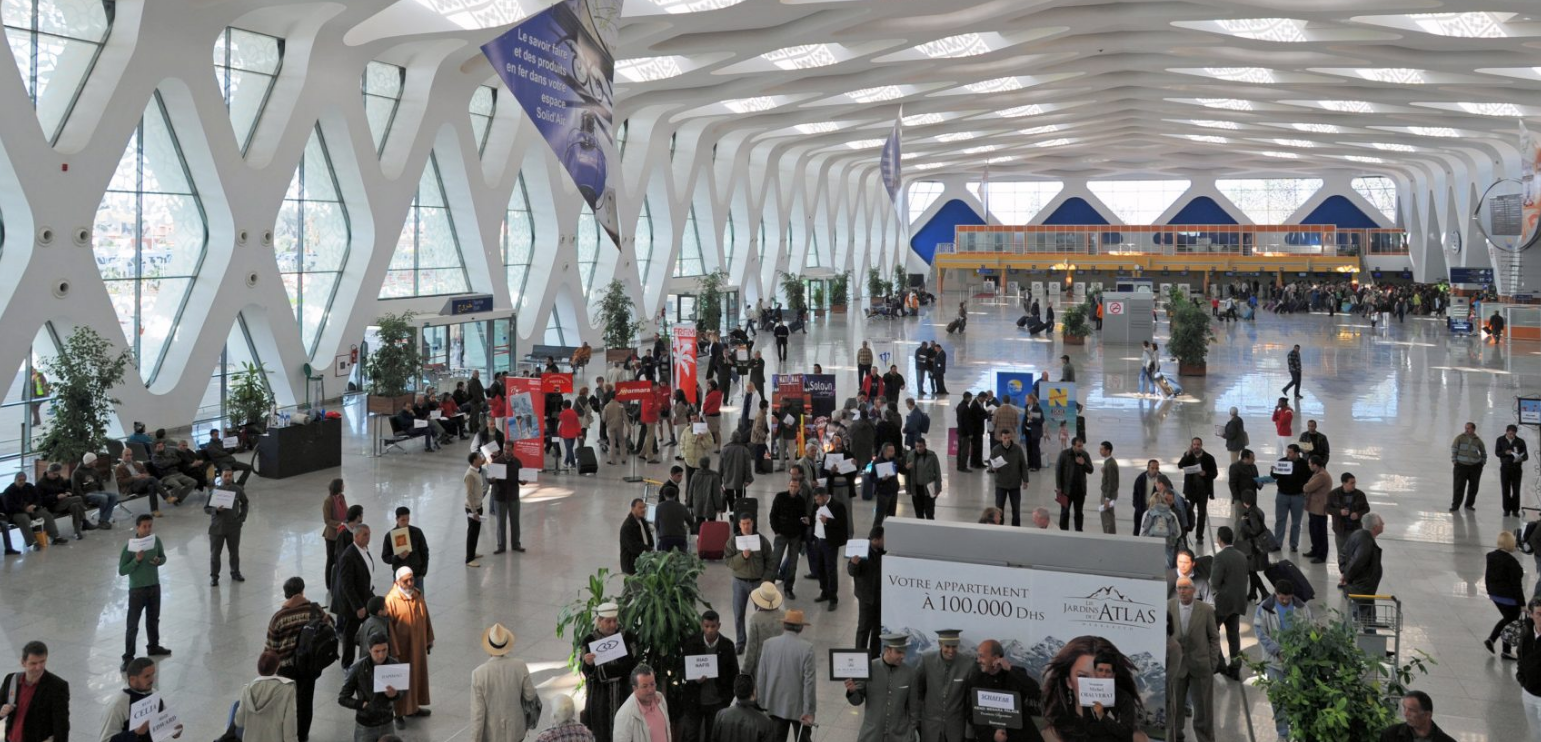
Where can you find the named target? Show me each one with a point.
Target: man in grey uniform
(943, 711)
(891, 694)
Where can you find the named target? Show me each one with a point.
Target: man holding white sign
(891, 695)
(751, 565)
(130, 714)
(227, 509)
(993, 680)
(711, 665)
(373, 709)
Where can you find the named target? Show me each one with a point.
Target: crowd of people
(873, 449)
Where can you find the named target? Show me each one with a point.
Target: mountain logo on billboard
(1107, 607)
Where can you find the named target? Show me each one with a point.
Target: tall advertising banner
(683, 351)
(1530, 183)
(1014, 385)
(819, 392)
(1059, 404)
(559, 65)
(891, 159)
(526, 419)
(1040, 617)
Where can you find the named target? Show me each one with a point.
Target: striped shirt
(284, 631)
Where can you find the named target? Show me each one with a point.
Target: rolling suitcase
(1022, 322)
(1286, 569)
(763, 464)
(747, 506)
(955, 326)
(713, 539)
(1166, 386)
(588, 463)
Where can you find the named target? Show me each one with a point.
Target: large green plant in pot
(874, 283)
(1328, 689)
(660, 605)
(250, 399)
(84, 373)
(618, 315)
(1076, 326)
(1191, 336)
(840, 291)
(792, 286)
(393, 364)
(709, 296)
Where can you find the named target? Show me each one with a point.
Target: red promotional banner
(526, 419)
(556, 383)
(633, 391)
(684, 352)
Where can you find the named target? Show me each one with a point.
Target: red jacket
(567, 425)
(498, 406)
(1283, 421)
(712, 405)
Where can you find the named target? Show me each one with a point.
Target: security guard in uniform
(891, 693)
(943, 713)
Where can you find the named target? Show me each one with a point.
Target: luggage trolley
(1377, 620)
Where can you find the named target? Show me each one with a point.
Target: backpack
(1163, 527)
(316, 648)
(925, 423)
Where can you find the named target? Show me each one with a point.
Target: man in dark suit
(1194, 622)
(830, 531)
(636, 536)
(702, 699)
(1417, 721)
(352, 589)
(35, 699)
(1228, 581)
(416, 555)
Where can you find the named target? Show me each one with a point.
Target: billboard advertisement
(1043, 620)
(1014, 385)
(559, 65)
(683, 351)
(526, 420)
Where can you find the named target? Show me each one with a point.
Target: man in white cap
(606, 684)
(890, 693)
(411, 638)
(493, 686)
(86, 483)
(645, 715)
(940, 677)
(763, 624)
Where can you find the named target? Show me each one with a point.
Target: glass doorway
(454, 350)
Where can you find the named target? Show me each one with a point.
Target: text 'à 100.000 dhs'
(980, 607)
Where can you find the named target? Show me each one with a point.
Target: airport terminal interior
(241, 197)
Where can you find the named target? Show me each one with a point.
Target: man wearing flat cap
(411, 640)
(942, 672)
(494, 685)
(891, 694)
(609, 684)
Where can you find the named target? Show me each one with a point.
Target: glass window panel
(1137, 201)
(922, 194)
(382, 94)
(644, 244)
(588, 248)
(483, 104)
(691, 261)
(1380, 191)
(311, 238)
(761, 256)
(1269, 200)
(1017, 202)
(728, 246)
(427, 260)
(518, 242)
(55, 44)
(149, 238)
(254, 52)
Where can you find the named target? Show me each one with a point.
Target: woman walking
(1504, 588)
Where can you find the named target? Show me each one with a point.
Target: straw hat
(497, 640)
(795, 616)
(766, 596)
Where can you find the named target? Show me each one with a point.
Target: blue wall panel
(1341, 212)
(1075, 210)
(1202, 210)
(939, 229)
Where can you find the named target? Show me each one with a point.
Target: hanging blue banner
(559, 66)
(891, 158)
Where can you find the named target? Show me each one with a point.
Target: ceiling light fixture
(952, 47)
(805, 57)
(1285, 30)
(875, 95)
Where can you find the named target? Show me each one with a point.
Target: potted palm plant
(709, 295)
(393, 365)
(874, 284)
(818, 301)
(839, 292)
(792, 287)
(84, 373)
(250, 399)
(618, 316)
(1191, 335)
(1076, 326)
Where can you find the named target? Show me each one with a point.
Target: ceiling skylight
(875, 95)
(996, 85)
(1281, 155)
(1293, 142)
(751, 105)
(486, 14)
(1347, 106)
(1392, 75)
(1316, 128)
(1002, 158)
(1240, 74)
(980, 149)
(929, 165)
(1286, 30)
(820, 127)
(1393, 147)
(1208, 138)
(952, 47)
(1209, 124)
(1229, 104)
(1435, 131)
(805, 57)
(1478, 25)
(1036, 130)
(1364, 159)
(866, 143)
(957, 136)
(1054, 142)
(1492, 109)
(648, 69)
(693, 6)
(1029, 110)
(923, 119)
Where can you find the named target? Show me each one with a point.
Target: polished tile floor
(1390, 400)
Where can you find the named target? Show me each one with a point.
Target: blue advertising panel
(559, 67)
(1014, 385)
